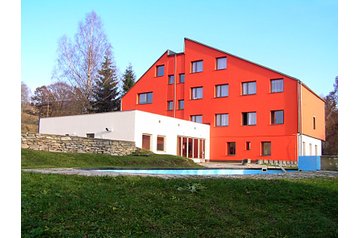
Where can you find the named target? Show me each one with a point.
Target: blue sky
(295, 37)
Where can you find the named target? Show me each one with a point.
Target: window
(276, 85)
(248, 145)
(170, 79)
(197, 66)
(222, 119)
(277, 117)
(160, 70)
(160, 143)
(266, 148)
(197, 93)
(248, 88)
(304, 148)
(314, 123)
(170, 105)
(145, 98)
(249, 118)
(197, 118)
(181, 78)
(222, 90)
(231, 148)
(90, 135)
(315, 150)
(310, 146)
(180, 104)
(191, 147)
(221, 63)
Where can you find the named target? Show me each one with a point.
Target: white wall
(308, 142)
(171, 128)
(130, 126)
(121, 125)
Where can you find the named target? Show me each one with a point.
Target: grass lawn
(133, 206)
(42, 159)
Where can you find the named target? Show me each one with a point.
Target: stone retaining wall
(329, 162)
(58, 143)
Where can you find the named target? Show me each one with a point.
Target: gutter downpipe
(299, 95)
(175, 84)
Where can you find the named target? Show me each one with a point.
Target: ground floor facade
(264, 148)
(168, 135)
(153, 132)
(254, 148)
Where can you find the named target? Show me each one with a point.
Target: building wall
(120, 125)
(129, 126)
(329, 162)
(163, 92)
(312, 106)
(283, 137)
(156, 125)
(310, 146)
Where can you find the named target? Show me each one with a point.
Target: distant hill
(29, 119)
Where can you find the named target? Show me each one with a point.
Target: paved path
(289, 175)
(233, 165)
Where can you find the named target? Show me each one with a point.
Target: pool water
(195, 171)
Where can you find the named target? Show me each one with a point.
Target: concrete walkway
(289, 175)
(233, 165)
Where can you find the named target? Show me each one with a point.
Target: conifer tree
(128, 79)
(105, 94)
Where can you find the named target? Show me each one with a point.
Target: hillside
(44, 159)
(29, 119)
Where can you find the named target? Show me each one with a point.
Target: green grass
(42, 159)
(133, 206)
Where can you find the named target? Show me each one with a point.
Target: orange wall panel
(312, 106)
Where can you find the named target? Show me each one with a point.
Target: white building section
(310, 146)
(157, 133)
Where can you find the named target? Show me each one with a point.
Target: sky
(295, 37)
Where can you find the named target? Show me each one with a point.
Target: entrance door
(146, 142)
(193, 148)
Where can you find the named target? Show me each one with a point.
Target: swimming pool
(199, 172)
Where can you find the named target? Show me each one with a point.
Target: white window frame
(194, 118)
(219, 90)
(246, 88)
(197, 93)
(251, 119)
(147, 100)
(197, 66)
(277, 85)
(220, 65)
(157, 71)
(222, 119)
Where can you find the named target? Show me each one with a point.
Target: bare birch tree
(79, 60)
(25, 94)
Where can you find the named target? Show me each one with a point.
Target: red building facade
(254, 112)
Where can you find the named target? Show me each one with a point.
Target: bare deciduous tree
(25, 94)
(64, 98)
(42, 100)
(79, 61)
(330, 146)
(57, 99)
